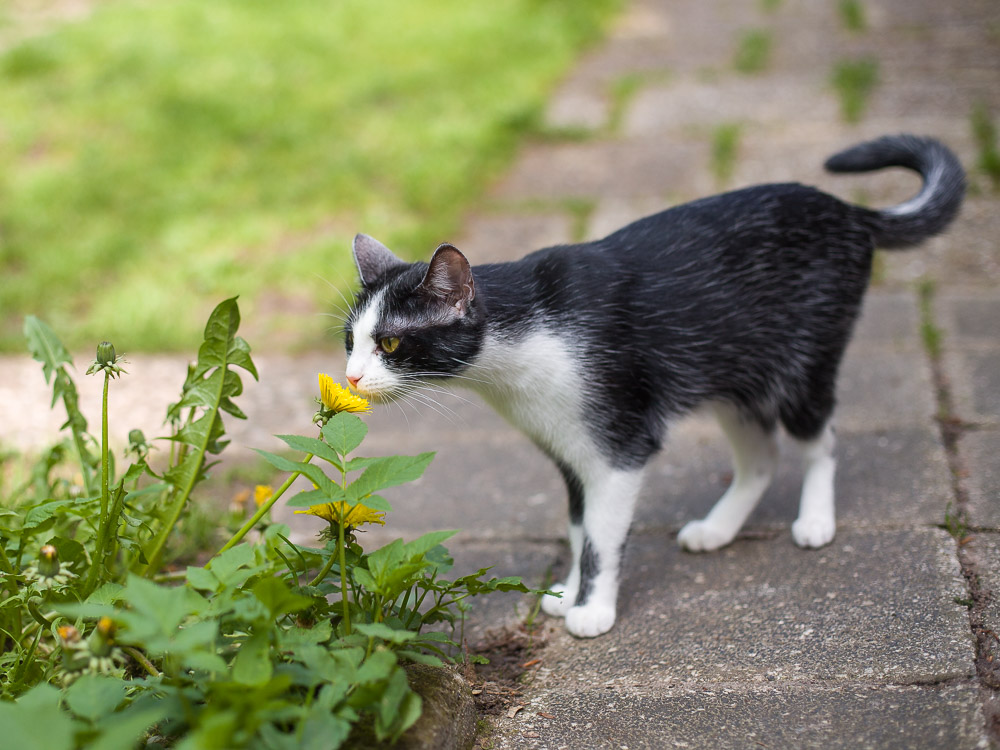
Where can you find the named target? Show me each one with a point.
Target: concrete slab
(876, 605)
(980, 455)
(605, 168)
(737, 716)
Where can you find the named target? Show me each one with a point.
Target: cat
(743, 302)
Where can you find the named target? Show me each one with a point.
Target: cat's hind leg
(817, 523)
(755, 455)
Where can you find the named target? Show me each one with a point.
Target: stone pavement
(882, 639)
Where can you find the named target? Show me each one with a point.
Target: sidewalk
(869, 642)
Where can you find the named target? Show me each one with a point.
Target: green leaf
(423, 544)
(202, 578)
(389, 471)
(344, 432)
(280, 462)
(312, 445)
(36, 721)
(252, 665)
(273, 592)
(93, 696)
(421, 658)
(125, 728)
(307, 498)
(45, 346)
(106, 594)
(386, 633)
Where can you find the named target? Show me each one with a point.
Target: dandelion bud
(102, 639)
(106, 353)
(48, 561)
(68, 634)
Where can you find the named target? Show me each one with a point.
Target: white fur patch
(365, 366)
(534, 384)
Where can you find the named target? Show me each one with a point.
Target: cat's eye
(388, 344)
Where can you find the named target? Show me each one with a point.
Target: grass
(725, 149)
(852, 15)
(984, 132)
(156, 157)
(753, 51)
(854, 81)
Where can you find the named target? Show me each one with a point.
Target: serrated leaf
(386, 633)
(280, 462)
(106, 594)
(307, 498)
(202, 578)
(92, 696)
(423, 544)
(274, 594)
(344, 432)
(36, 720)
(421, 658)
(127, 727)
(312, 445)
(45, 346)
(252, 665)
(389, 471)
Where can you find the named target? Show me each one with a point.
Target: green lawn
(156, 157)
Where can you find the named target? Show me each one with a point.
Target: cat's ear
(373, 258)
(449, 278)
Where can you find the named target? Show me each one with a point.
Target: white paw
(558, 606)
(701, 536)
(813, 532)
(589, 620)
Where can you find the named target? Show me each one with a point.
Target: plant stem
(323, 571)
(343, 570)
(105, 521)
(263, 509)
(143, 661)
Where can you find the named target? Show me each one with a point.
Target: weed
(265, 644)
(854, 81)
(984, 132)
(725, 150)
(930, 333)
(753, 51)
(852, 15)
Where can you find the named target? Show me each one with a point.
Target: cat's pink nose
(353, 381)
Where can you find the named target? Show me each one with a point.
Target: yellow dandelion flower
(356, 516)
(336, 398)
(262, 493)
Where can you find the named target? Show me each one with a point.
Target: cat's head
(411, 322)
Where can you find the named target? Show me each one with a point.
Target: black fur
(747, 297)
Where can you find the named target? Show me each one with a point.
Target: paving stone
(875, 605)
(494, 238)
(738, 716)
(975, 380)
(980, 454)
(578, 107)
(599, 169)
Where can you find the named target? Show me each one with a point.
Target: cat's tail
(924, 215)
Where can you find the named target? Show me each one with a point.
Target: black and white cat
(743, 301)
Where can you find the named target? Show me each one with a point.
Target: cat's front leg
(607, 515)
(558, 606)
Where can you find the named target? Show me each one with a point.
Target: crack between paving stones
(952, 429)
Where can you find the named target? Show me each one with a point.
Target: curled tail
(924, 215)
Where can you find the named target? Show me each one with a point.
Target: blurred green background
(156, 157)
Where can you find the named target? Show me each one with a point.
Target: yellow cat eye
(388, 344)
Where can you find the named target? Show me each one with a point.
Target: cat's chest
(536, 384)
